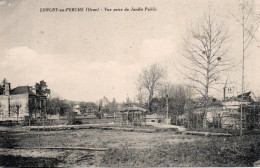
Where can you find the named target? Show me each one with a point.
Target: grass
(228, 131)
(136, 149)
(19, 161)
(98, 138)
(216, 152)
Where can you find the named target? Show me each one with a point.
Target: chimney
(7, 89)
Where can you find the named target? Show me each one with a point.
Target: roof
(76, 106)
(250, 96)
(22, 90)
(244, 94)
(131, 109)
(155, 116)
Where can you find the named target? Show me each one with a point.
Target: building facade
(228, 90)
(21, 102)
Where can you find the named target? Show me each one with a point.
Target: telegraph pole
(167, 95)
(249, 29)
(243, 69)
(167, 108)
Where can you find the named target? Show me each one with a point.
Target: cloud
(79, 79)
(156, 50)
(70, 78)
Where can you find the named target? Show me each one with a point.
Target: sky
(85, 56)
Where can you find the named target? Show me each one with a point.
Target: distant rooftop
(22, 90)
(244, 94)
(134, 108)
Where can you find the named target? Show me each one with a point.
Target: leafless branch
(205, 53)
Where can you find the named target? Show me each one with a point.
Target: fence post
(39, 146)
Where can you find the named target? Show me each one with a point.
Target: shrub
(75, 121)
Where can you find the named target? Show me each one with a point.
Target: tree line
(205, 59)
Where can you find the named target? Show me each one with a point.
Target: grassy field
(217, 152)
(128, 149)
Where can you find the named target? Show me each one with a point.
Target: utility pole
(250, 23)
(167, 109)
(9, 110)
(243, 70)
(167, 95)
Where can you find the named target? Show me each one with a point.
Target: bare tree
(204, 53)
(176, 96)
(15, 108)
(49, 106)
(175, 90)
(149, 81)
(249, 21)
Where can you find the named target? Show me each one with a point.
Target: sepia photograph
(129, 83)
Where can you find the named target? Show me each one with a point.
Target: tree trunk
(204, 119)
